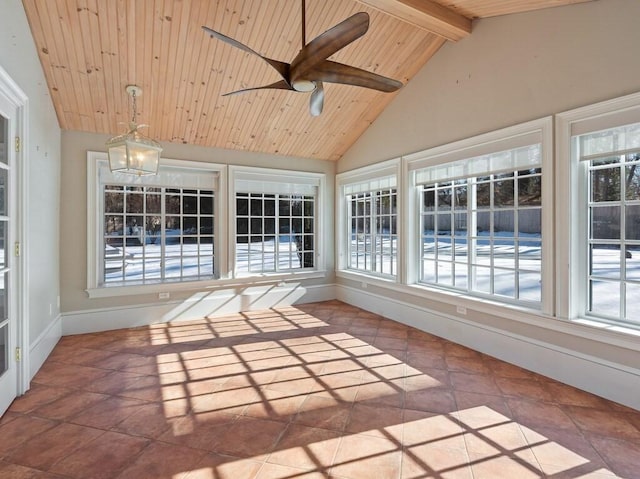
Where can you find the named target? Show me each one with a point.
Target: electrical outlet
(163, 295)
(461, 310)
(50, 309)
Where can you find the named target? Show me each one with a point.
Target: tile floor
(318, 390)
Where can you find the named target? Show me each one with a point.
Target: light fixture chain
(133, 96)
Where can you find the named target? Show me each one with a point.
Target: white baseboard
(609, 380)
(202, 304)
(40, 349)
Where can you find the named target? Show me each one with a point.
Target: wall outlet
(50, 309)
(461, 310)
(163, 295)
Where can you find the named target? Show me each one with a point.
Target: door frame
(10, 89)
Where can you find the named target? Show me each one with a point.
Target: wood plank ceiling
(91, 49)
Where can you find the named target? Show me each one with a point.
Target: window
(598, 213)
(368, 231)
(274, 232)
(373, 242)
(484, 233)
(152, 229)
(610, 166)
(276, 221)
(157, 233)
(479, 216)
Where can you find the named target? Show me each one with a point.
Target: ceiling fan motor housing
(303, 85)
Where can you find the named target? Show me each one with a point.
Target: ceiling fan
(311, 66)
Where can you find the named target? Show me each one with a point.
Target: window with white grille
(276, 221)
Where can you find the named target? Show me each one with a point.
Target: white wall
(19, 58)
(510, 70)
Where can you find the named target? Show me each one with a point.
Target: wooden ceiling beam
(427, 15)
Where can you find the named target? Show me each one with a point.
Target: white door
(8, 321)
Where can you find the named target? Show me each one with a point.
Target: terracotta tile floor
(319, 390)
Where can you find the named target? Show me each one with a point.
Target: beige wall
(73, 244)
(511, 69)
(19, 58)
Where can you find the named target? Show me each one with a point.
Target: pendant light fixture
(133, 153)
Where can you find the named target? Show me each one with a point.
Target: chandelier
(133, 153)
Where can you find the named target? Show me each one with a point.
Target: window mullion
(373, 229)
(492, 231)
(623, 238)
(125, 197)
(197, 235)
(182, 233)
(276, 241)
(349, 230)
(163, 233)
(472, 230)
(516, 235)
(144, 232)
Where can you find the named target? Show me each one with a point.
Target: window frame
(95, 213)
(361, 176)
(532, 132)
(572, 209)
(371, 201)
(289, 182)
(271, 262)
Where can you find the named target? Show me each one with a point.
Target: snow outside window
(610, 167)
(480, 216)
(276, 221)
(373, 234)
(367, 233)
(147, 230)
(157, 234)
(484, 234)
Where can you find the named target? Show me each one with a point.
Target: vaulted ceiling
(92, 49)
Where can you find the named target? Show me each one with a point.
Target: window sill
(608, 326)
(587, 329)
(606, 333)
(367, 278)
(208, 285)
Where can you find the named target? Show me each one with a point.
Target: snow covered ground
(193, 260)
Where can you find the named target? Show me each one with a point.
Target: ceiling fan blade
(281, 67)
(317, 100)
(279, 85)
(328, 43)
(334, 72)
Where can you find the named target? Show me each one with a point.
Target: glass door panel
(8, 366)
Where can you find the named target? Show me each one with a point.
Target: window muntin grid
(373, 237)
(157, 234)
(613, 237)
(483, 235)
(274, 232)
